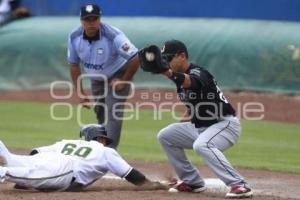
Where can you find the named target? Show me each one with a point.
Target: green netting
(242, 54)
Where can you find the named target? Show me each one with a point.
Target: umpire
(109, 59)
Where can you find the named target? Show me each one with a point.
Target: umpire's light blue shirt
(104, 56)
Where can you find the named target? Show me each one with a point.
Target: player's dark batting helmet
(92, 131)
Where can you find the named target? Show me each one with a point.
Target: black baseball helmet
(173, 47)
(92, 131)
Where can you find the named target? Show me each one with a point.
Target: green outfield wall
(251, 55)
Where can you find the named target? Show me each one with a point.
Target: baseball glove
(151, 60)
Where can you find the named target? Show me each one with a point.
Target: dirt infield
(266, 184)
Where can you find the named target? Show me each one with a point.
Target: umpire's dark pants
(106, 113)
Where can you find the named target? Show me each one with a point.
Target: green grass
(263, 145)
(27, 125)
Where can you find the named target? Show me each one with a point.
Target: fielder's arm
(179, 78)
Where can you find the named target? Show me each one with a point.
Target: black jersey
(204, 99)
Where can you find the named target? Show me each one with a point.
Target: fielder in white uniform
(69, 165)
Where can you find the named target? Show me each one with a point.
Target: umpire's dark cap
(90, 10)
(173, 47)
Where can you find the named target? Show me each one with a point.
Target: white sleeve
(124, 47)
(115, 163)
